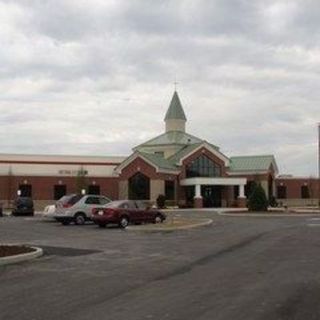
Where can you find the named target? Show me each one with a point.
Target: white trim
(214, 181)
(239, 173)
(210, 149)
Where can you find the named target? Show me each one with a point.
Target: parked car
(49, 211)
(77, 208)
(23, 206)
(124, 212)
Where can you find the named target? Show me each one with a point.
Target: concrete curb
(268, 215)
(21, 257)
(206, 222)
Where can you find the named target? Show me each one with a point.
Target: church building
(190, 171)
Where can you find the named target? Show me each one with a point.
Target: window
(159, 153)
(104, 200)
(59, 191)
(26, 190)
(94, 189)
(305, 194)
(92, 200)
(169, 190)
(139, 187)
(203, 167)
(248, 188)
(281, 192)
(236, 192)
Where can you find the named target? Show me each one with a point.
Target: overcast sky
(96, 77)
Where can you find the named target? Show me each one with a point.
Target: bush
(161, 200)
(258, 200)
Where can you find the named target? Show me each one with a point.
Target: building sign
(73, 172)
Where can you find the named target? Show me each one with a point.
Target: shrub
(161, 200)
(258, 200)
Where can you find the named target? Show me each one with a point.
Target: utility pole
(319, 164)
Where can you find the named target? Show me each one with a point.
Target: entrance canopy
(197, 182)
(214, 181)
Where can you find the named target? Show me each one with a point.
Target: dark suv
(23, 206)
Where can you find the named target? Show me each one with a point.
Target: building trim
(213, 181)
(61, 162)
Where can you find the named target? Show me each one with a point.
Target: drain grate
(67, 252)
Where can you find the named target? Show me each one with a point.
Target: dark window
(59, 191)
(139, 187)
(248, 188)
(203, 167)
(305, 194)
(104, 200)
(281, 192)
(169, 190)
(159, 153)
(94, 189)
(235, 192)
(92, 200)
(26, 190)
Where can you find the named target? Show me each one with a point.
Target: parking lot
(237, 268)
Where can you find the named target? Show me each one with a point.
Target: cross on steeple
(175, 85)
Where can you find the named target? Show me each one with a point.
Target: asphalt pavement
(237, 268)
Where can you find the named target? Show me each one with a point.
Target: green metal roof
(171, 138)
(159, 161)
(175, 110)
(252, 163)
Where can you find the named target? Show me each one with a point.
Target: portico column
(198, 203)
(242, 200)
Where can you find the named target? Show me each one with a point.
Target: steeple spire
(175, 118)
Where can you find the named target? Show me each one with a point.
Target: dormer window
(203, 167)
(159, 153)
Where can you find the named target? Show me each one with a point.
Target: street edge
(267, 215)
(21, 257)
(207, 222)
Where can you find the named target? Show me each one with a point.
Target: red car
(124, 212)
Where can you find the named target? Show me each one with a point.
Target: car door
(90, 203)
(141, 211)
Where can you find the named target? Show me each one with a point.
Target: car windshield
(70, 199)
(115, 204)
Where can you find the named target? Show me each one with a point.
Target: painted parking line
(313, 224)
(314, 219)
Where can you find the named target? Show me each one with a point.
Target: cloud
(98, 78)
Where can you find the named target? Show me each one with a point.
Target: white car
(49, 211)
(78, 208)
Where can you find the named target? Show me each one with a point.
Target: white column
(241, 191)
(198, 191)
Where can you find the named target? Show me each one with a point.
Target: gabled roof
(171, 138)
(157, 161)
(252, 163)
(175, 110)
(178, 157)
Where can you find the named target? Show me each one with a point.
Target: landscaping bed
(7, 250)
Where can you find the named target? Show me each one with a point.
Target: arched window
(203, 167)
(139, 187)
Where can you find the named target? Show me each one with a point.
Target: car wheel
(79, 219)
(65, 222)
(158, 219)
(102, 225)
(124, 222)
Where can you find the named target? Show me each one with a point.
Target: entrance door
(211, 196)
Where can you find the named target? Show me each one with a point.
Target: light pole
(318, 164)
